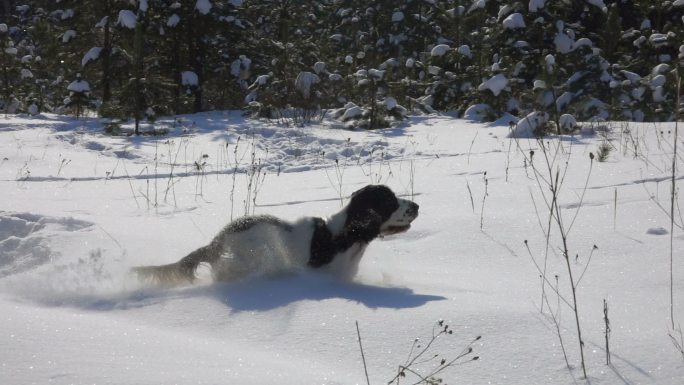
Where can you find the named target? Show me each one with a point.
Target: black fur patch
(323, 248)
(372, 205)
(368, 209)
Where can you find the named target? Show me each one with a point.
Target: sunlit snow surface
(79, 208)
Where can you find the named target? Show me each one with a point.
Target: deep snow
(78, 210)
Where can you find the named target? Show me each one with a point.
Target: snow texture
(92, 55)
(477, 112)
(536, 5)
(397, 16)
(74, 219)
(439, 50)
(527, 125)
(304, 82)
(495, 84)
(567, 122)
(173, 20)
(189, 79)
(203, 6)
(68, 36)
(102, 23)
(514, 21)
(26, 73)
(79, 86)
(465, 51)
(127, 19)
(240, 66)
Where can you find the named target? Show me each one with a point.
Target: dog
(266, 245)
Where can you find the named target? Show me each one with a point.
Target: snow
(598, 3)
(477, 112)
(3, 27)
(563, 42)
(351, 112)
(26, 73)
(203, 6)
(514, 21)
(631, 76)
(78, 210)
(92, 55)
(495, 84)
(477, 4)
(390, 103)
(319, 67)
(127, 19)
(678, 3)
(397, 16)
(660, 69)
(304, 82)
(439, 50)
(240, 66)
(173, 20)
(79, 86)
(189, 79)
(567, 122)
(536, 5)
(102, 23)
(526, 127)
(68, 36)
(376, 74)
(465, 51)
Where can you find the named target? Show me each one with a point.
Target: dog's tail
(178, 273)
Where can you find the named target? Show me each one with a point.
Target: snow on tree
(536, 5)
(127, 19)
(189, 79)
(440, 50)
(304, 82)
(203, 6)
(495, 84)
(514, 21)
(92, 55)
(79, 95)
(68, 36)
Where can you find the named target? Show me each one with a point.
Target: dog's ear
(365, 227)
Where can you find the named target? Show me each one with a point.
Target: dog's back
(253, 245)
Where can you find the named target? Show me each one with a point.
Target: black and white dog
(257, 245)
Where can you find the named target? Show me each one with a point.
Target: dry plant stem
(673, 193)
(484, 199)
(615, 210)
(556, 319)
(470, 149)
(363, 357)
(554, 183)
(606, 322)
(678, 342)
(470, 193)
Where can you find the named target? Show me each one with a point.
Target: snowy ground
(79, 208)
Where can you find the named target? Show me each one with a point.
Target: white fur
(265, 249)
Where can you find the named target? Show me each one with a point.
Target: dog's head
(375, 210)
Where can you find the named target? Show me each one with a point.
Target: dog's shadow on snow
(254, 294)
(262, 294)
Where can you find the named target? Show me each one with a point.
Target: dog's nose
(413, 209)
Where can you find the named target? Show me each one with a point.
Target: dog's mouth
(391, 230)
